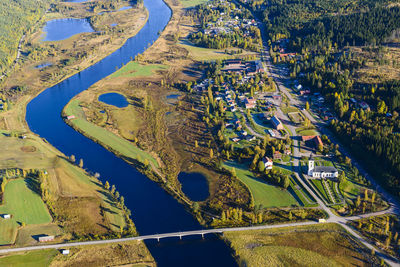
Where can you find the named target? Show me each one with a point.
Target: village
(226, 25)
(256, 116)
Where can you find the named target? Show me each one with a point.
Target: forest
(321, 33)
(16, 18)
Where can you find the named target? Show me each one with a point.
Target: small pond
(113, 24)
(41, 66)
(61, 29)
(76, 1)
(114, 99)
(173, 96)
(194, 185)
(124, 8)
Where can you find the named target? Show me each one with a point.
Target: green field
(135, 69)
(201, 53)
(289, 109)
(105, 137)
(191, 3)
(321, 189)
(8, 231)
(301, 193)
(37, 258)
(306, 132)
(263, 193)
(24, 205)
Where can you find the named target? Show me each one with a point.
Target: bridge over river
(201, 233)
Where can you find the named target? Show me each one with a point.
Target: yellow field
(319, 245)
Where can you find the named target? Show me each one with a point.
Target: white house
(268, 163)
(319, 172)
(6, 216)
(65, 251)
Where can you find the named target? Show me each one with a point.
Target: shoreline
(74, 72)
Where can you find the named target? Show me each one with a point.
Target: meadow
(24, 205)
(263, 193)
(103, 136)
(135, 69)
(317, 245)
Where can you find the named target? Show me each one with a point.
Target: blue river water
(61, 29)
(153, 210)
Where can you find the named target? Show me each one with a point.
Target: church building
(318, 172)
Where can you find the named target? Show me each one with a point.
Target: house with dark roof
(276, 123)
(315, 138)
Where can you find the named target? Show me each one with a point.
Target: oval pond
(194, 185)
(114, 99)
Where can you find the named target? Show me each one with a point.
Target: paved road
(251, 130)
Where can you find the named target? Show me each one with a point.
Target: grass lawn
(296, 117)
(289, 109)
(24, 205)
(8, 230)
(349, 189)
(37, 258)
(26, 234)
(14, 153)
(105, 137)
(306, 132)
(135, 69)
(301, 193)
(191, 3)
(320, 187)
(317, 245)
(263, 193)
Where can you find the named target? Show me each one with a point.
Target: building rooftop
(325, 169)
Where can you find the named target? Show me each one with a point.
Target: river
(153, 210)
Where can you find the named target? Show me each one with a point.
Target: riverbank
(81, 207)
(63, 59)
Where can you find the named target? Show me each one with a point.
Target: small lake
(77, 1)
(194, 185)
(113, 24)
(61, 29)
(174, 96)
(41, 66)
(114, 99)
(124, 8)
